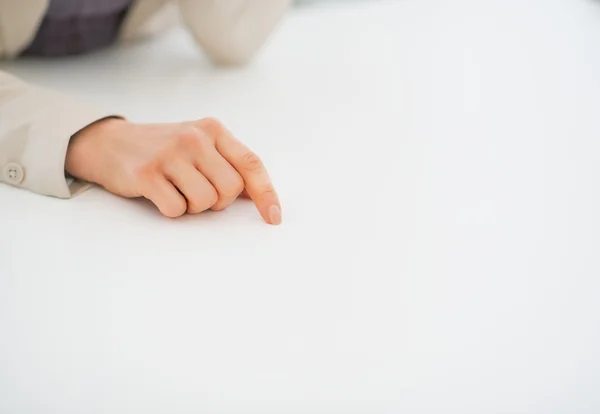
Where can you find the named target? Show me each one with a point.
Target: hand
(186, 167)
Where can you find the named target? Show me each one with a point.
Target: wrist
(87, 148)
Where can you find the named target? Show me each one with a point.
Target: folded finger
(197, 190)
(223, 177)
(164, 196)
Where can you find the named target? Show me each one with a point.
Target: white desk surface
(439, 168)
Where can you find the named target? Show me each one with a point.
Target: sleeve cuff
(55, 119)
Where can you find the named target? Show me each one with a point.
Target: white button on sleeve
(14, 173)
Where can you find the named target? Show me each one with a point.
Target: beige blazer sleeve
(18, 23)
(36, 126)
(232, 31)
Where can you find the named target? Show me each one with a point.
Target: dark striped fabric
(72, 27)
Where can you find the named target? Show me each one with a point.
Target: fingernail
(275, 215)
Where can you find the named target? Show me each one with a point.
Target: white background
(438, 167)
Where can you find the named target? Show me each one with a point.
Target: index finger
(257, 182)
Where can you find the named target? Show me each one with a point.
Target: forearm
(36, 126)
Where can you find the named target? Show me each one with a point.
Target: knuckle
(211, 125)
(187, 138)
(252, 161)
(146, 172)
